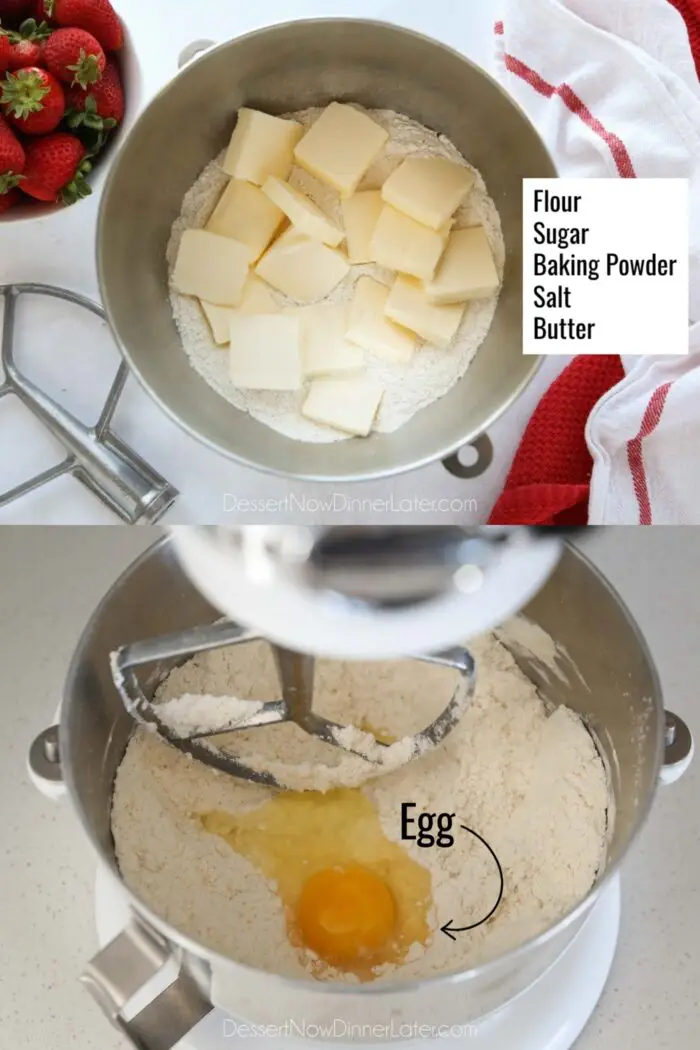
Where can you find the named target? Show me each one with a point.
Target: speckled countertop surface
(51, 579)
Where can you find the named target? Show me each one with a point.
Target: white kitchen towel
(644, 436)
(612, 88)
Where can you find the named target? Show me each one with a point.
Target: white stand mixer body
(550, 1015)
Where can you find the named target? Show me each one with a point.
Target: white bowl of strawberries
(65, 72)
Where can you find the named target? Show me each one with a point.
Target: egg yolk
(345, 914)
(352, 897)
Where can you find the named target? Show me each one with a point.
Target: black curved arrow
(451, 930)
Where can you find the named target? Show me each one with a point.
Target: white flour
(532, 784)
(192, 714)
(408, 388)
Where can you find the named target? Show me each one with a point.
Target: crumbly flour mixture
(410, 387)
(529, 781)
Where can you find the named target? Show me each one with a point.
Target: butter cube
(324, 349)
(466, 270)
(247, 215)
(402, 244)
(340, 147)
(369, 327)
(219, 318)
(265, 352)
(348, 404)
(302, 212)
(428, 189)
(257, 297)
(408, 305)
(261, 145)
(360, 215)
(302, 268)
(211, 267)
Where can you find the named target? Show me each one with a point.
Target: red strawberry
(9, 200)
(5, 53)
(97, 16)
(36, 11)
(25, 53)
(27, 45)
(74, 56)
(101, 107)
(12, 159)
(33, 100)
(13, 11)
(55, 169)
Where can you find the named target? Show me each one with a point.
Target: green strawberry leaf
(8, 181)
(30, 30)
(78, 187)
(86, 70)
(22, 93)
(93, 139)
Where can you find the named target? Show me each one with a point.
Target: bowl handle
(125, 968)
(44, 764)
(680, 748)
(484, 457)
(192, 51)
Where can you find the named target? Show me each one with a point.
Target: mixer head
(368, 592)
(343, 593)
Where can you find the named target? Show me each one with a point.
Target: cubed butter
(265, 352)
(340, 147)
(402, 244)
(257, 297)
(428, 189)
(324, 349)
(466, 271)
(306, 216)
(211, 267)
(245, 213)
(360, 215)
(261, 145)
(349, 404)
(302, 268)
(408, 305)
(219, 319)
(369, 327)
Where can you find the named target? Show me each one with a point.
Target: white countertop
(51, 581)
(74, 358)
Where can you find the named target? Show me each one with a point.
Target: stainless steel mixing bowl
(281, 69)
(615, 688)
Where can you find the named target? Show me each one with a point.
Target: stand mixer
(355, 594)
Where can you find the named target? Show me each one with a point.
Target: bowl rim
(367, 474)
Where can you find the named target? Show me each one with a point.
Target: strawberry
(12, 158)
(13, 11)
(32, 100)
(74, 56)
(5, 53)
(101, 107)
(9, 200)
(27, 45)
(97, 16)
(55, 168)
(36, 11)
